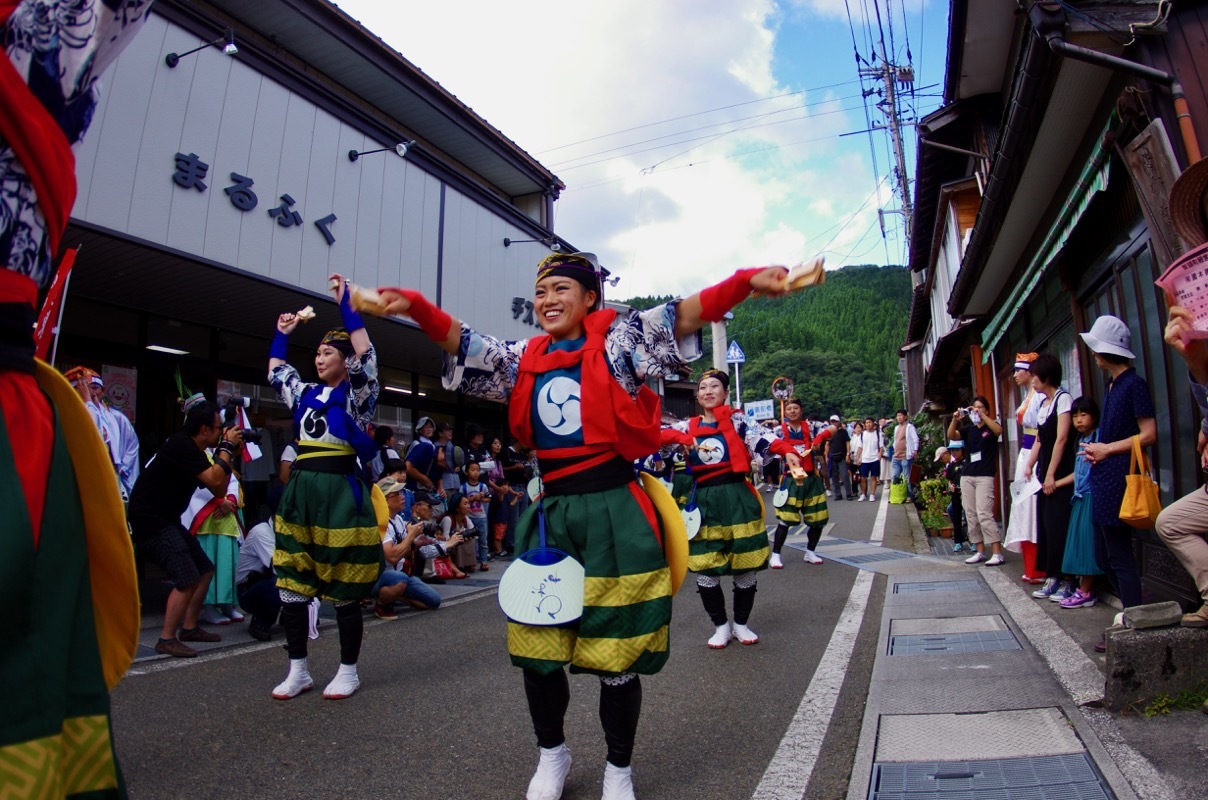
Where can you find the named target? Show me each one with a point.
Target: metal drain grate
(889, 555)
(1063, 777)
(949, 643)
(937, 586)
(835, 540)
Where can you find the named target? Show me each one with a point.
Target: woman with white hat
(1128, 411)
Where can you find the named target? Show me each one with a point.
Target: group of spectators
(1070, 481)
(858, 453)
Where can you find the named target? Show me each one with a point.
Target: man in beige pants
(979, 431)
(1184, 524)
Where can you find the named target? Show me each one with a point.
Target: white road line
(878, 527)
(788, 774)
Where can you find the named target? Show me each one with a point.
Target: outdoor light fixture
(401, 148)
(159, 348)
(398, 389)
(227, 42)
(550, 242)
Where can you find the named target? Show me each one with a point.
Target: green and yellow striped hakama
(627, 590)
(681, 487)
(733, 538)
(325, 546)
(806, 503)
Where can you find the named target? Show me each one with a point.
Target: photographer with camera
(161, 495)
(399, 580)
(979, 431)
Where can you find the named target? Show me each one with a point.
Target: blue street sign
(735, 355)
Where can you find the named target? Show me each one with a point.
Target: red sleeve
(672, 436)
(827, 433)
(781, 448)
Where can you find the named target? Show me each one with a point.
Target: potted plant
(933, 497)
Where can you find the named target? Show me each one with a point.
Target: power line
(698, 138)
(696, 114)
(559, 164)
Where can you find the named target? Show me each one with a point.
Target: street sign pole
(735, 356)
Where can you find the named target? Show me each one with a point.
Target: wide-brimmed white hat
(1109, 335)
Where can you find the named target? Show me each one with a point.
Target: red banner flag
(48, 317)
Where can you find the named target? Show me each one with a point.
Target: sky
(694, 137)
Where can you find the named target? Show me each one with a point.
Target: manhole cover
(1064, 777)
(835, 540)
(889, 555)
(950, 643)
(937, 586)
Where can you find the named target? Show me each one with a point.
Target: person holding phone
(978, 429)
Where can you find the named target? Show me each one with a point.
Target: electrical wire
(558, 164)
(696, 114)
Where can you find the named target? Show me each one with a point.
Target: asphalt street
(441, 713)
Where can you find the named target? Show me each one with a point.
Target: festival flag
(48, 318)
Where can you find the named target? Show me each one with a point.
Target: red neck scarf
(610, 416)
(38, 142)
(736, 448)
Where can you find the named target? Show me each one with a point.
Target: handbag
(897, 492)
(1141, 503)
(442, 567)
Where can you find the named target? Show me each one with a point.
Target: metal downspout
(1048, 19)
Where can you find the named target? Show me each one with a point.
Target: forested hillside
(838, 342)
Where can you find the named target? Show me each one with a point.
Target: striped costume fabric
(627, 591)
(313, 557)
(681, 487)
(732, 538)
(806, 503)
(54, 732)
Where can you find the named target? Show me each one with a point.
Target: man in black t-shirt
(160, 496)
(837, 447)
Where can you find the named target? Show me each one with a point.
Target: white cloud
(550, 73)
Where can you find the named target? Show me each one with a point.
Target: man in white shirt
(905, 447)
(255, 581)
(395, 584)
(868, 452)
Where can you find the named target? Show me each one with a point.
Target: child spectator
(503, 498)
(479, 495)
(1080, 540)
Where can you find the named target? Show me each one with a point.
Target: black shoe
(263, 633)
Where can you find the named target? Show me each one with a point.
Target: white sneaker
(860, 499)
(812, 558)
(720, 637)
(774, 561)
(296, 682)
(977, 558)
(233, 613)
(828, 493)
(552, 769)
(996, 560)
(872, 498)
(344, 684)
(745, 635)
(618, 783)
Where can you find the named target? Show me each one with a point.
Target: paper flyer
(1186, 280)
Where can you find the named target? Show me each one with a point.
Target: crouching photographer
(161, 495)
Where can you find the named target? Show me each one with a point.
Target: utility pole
(890, 75)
